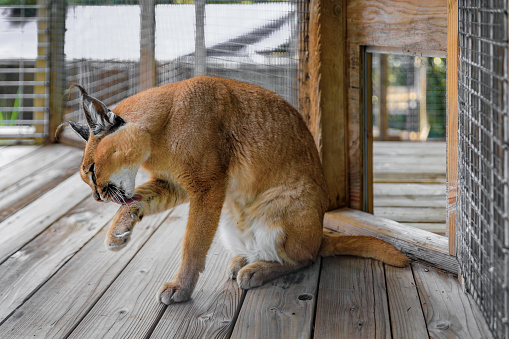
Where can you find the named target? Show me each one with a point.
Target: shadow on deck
(58, 280)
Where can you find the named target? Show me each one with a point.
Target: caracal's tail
(362, 246)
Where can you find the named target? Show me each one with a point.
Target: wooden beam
(415, 243)
(452, 121)
(148, 73)
(57, 79)
(327, 97)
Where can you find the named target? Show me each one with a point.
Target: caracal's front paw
(235, 266)
(250, 277)
(171, 293)
(120, 230)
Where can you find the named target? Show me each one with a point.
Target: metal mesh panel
(24, 74)
(483, 142)
(253, 42)
(409, 97)
(102, 49)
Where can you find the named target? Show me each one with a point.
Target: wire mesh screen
(483, 158)
(253, 41)
(24, 75)
(102, 49)
(409, 97)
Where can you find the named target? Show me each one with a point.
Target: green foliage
(436, 96)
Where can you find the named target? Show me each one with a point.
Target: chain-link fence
(483, 158)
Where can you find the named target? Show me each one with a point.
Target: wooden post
(423, 112)
(383, 123)
(200, 53)
(57, 67)
(41, 63)
(148, 70)
(327, 84)
(452, 121)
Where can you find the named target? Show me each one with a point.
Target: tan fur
(236, 152)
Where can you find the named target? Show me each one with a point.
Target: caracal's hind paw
(235, 266)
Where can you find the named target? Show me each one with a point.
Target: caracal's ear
(82, 129)
(99, 118)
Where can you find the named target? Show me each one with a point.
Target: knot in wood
(305, 296)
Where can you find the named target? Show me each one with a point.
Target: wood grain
(446, 307)
(417, 244)
(347, 304)
(62, 302)
(27, 223)
(327, 93)
(30, 267)
(12, 153)
(407, 318)
(411, 214)
(412, 25)
(282, 308)
(33, 186)
(31, 163)
(452, 121)
(211, 313)
(129, 309)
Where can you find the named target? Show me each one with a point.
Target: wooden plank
(31, 163)
(62, 302)
(283, 308)
(12, 153)
(417, 244)
(212, 312)
(349, 304)
(388, 189)
(438, 228)
(57, 79)
(133, 294)
(409, 147)
(435, 160)
(452, 120)
(422, 178)
(27, 223)
(447, 309)
(407, 318)
(30, 267)
(412, 25)
(33, 186)
(410, 201)
(327, 93)
(411, 214)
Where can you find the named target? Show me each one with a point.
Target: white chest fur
(254, 240)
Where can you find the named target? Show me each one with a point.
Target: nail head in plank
(282, 308)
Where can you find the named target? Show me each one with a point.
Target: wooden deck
(409, 183)
(57, 280)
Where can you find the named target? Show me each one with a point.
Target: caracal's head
(114, 151)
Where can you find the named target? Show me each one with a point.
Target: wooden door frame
(412, 27)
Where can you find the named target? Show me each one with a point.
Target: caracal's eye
(92, 171)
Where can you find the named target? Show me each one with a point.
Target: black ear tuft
(99, 118)
(82, 130)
